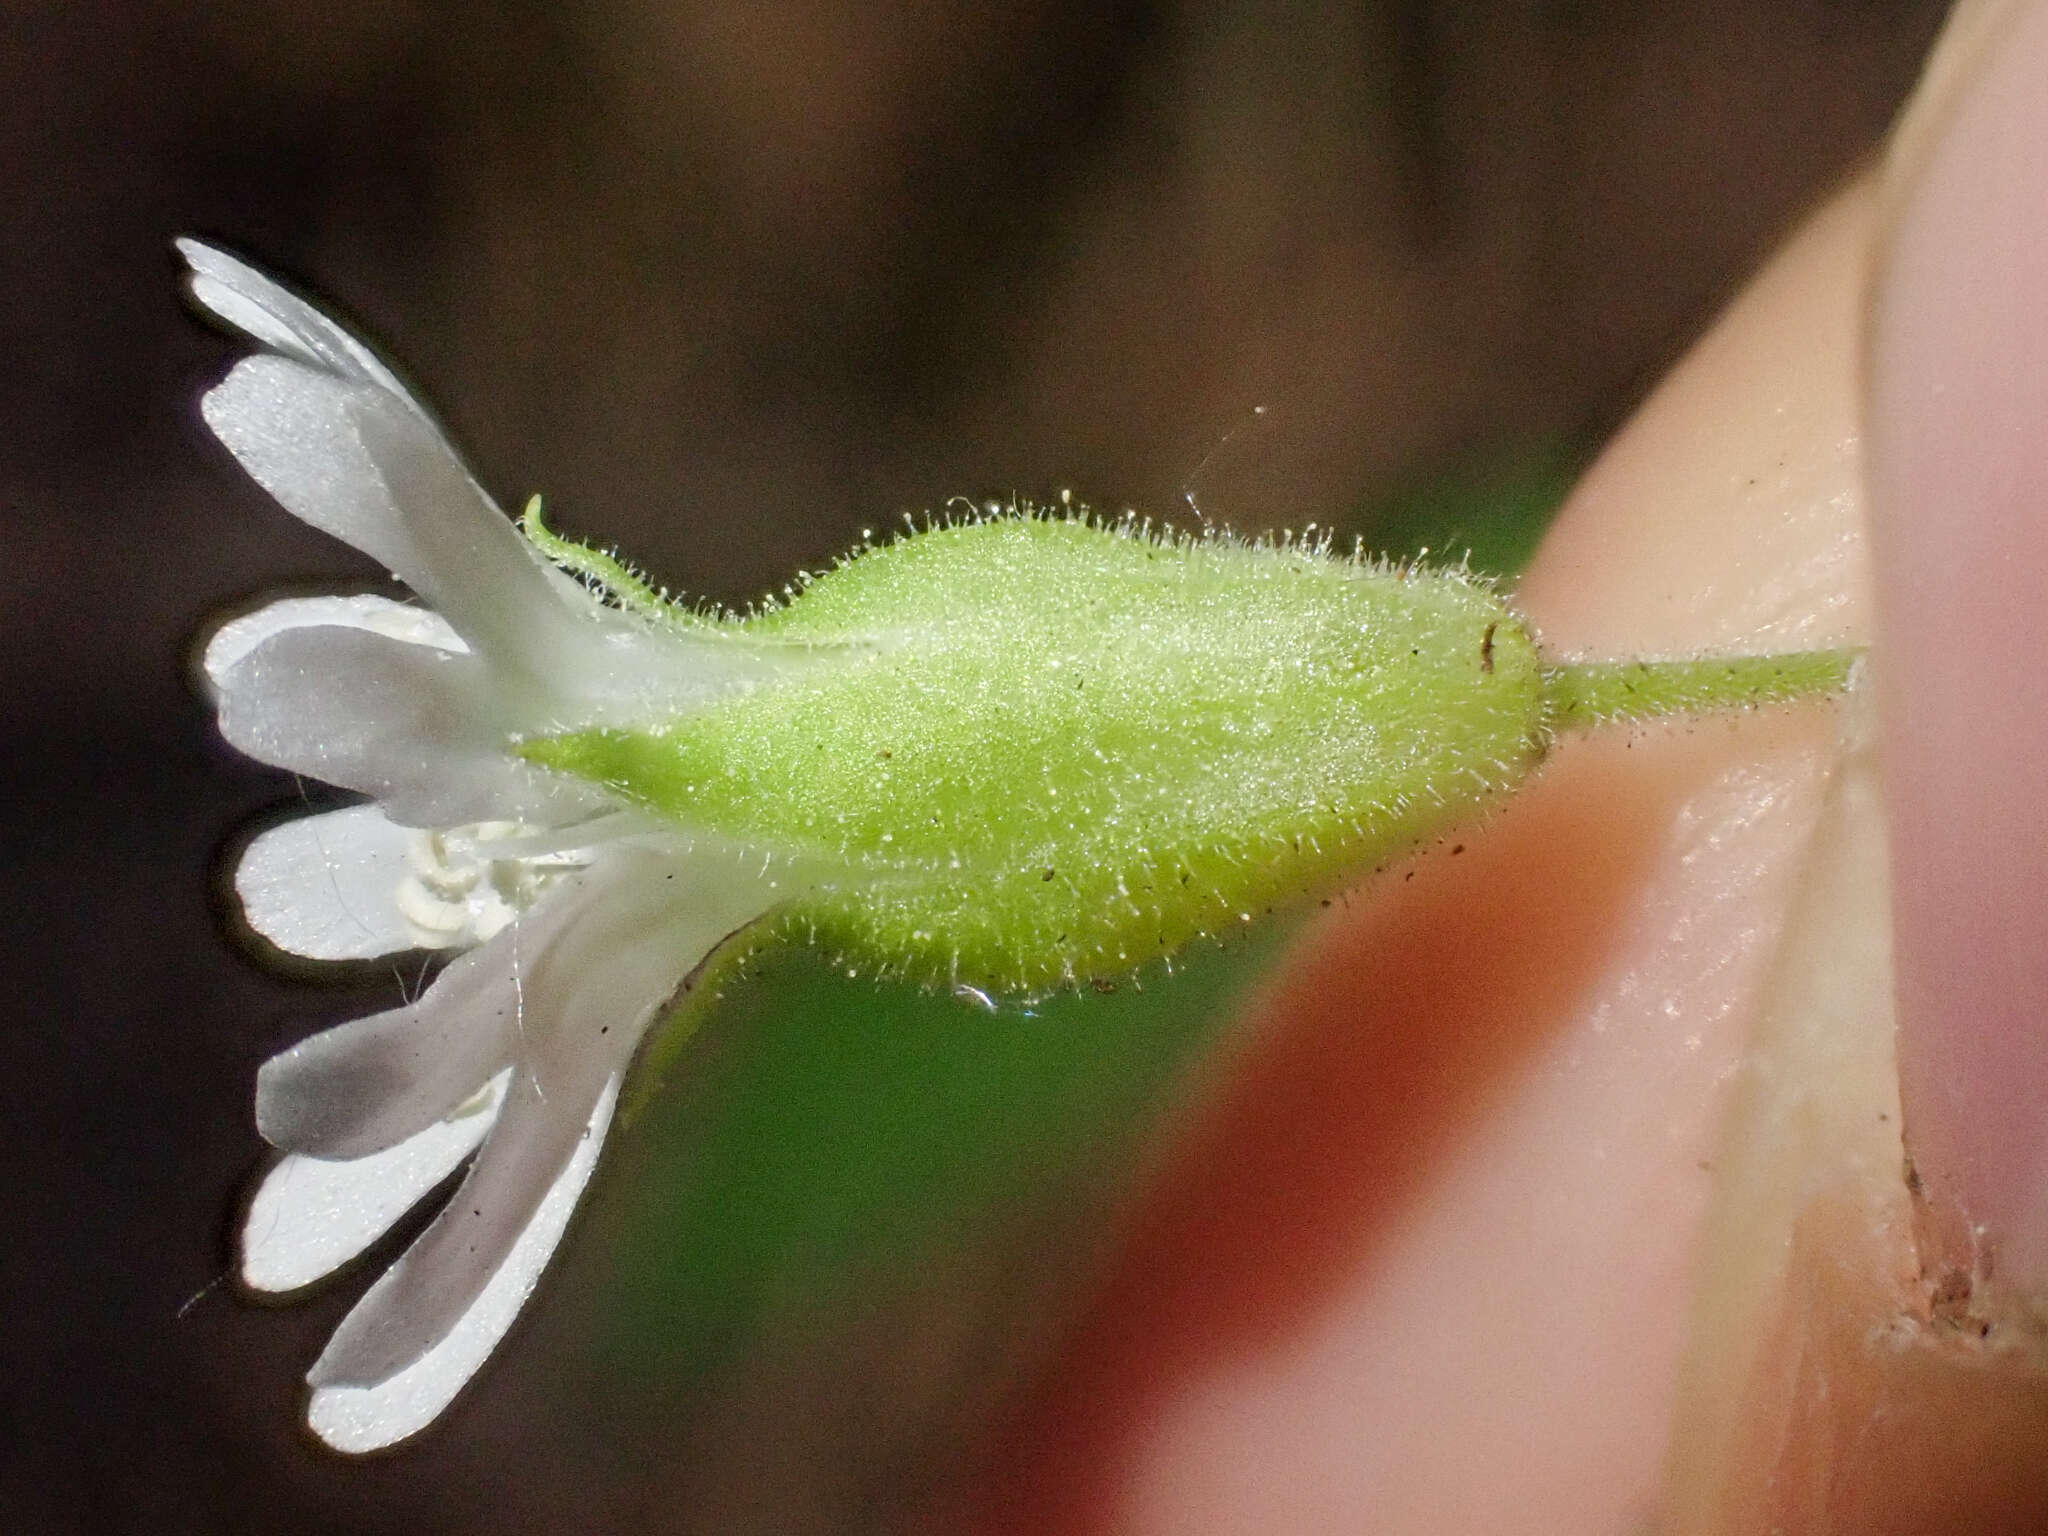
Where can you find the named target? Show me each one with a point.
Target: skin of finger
(1424, 1264)
(1959, 425)
(1863, 1361)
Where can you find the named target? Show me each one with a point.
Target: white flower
(581, 916)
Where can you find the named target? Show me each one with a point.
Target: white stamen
(464, 885)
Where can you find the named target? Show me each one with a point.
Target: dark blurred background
(731, 283)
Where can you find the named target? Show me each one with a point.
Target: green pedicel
(1056, 749)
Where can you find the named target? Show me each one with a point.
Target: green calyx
(1056, 749)
(605, 573)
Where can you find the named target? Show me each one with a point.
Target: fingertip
(1727, 514)
(1958, 412)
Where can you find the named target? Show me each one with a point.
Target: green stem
(1581, 694)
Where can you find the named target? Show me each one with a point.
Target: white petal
(364, 465)
(414, 726)
(368, 1418)
(327, 430)
(311, 1215)
(324, 886)
(564, 991)
(380, 615)
(266, 312)
(371, 1083)
(589, 996)
(368, 468)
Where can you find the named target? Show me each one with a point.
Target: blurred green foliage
(1491, 507)
(825, 1138)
